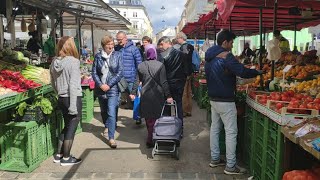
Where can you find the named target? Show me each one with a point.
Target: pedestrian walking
(187, 49)
(66, 82)
(146, 40)
(131, 58)
(155, 90)
(176, 76)
(107, 71)
(221, 70)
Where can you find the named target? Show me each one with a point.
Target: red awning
(245, 17)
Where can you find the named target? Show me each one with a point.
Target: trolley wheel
(176, 154)
(153, 154)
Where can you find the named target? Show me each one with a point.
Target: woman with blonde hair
(65, 79)
(107, 71)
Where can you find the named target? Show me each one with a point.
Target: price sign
(287, 68)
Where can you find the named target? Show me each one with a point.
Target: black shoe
(56, 158)
(71, 161)
(138, 122)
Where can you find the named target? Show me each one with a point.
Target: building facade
(136, 13)
(169, 32)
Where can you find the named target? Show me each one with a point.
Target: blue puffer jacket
(221, 74)
(115, 73)
(131, 58)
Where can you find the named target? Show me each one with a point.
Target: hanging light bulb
(163, 21)
(163, 8)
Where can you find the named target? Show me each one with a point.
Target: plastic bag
(136, 105)
(274, 51)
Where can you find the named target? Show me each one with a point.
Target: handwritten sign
(287, 68)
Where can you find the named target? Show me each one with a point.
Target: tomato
(308, 99)
(277, 97)
(303, 106)
(299, 96)
(263, 101)
(279, 105)
(290, 93)
(310, 105)
(316, 100)
(264, 96)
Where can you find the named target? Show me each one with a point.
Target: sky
(171, 14)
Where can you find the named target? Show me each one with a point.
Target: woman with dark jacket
(107, 71)
(155, 90)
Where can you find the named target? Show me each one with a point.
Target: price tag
(287, 68)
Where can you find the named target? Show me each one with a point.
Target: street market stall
(29, 119)
(286, 107)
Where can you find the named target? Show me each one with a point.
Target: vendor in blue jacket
(221, 70)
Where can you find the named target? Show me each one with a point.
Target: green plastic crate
(52, 134)
(23, 146)
(87, 105)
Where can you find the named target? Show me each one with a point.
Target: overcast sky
(171, 14)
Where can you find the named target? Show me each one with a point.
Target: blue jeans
(226, 113)
(109, 107)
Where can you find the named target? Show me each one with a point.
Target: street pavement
(132, 159)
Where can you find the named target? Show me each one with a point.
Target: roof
(245, 16)
(92, 11)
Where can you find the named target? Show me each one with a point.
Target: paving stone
(137, 175)
(40, 175)
(63, 175)
(84, 175)
(188, 175)
(204, 176)
(25, 175)
(9, 175)
(103, 175)
(119, 175)
(170, 176)
(152, 175)
(223, 177)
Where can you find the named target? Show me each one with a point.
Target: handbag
(136, 105)
(122, 84)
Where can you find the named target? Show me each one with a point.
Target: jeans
(109, 107)
(226, 113)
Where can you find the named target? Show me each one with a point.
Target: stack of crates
(23, 146)
(263, 146)
(52, 133)
(87, 105)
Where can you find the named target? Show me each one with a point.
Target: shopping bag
(136, 105)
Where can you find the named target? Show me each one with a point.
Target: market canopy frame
(89, 11)
(244, 17)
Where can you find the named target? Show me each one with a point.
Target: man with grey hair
(131, 58)
(187, 49)
(172, 59)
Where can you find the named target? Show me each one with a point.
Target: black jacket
(172, 60)
(187, 49)
(155, 89)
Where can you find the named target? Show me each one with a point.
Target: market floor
(132, 160)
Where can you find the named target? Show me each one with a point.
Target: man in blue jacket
(221, 70)
(131, 58)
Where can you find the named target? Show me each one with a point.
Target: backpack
(195, 61)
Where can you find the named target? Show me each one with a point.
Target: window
(135, 25)
(125, 14)
(135, 14)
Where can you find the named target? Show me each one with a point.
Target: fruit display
(296, 103)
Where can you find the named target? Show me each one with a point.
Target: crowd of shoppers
(164, 74)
